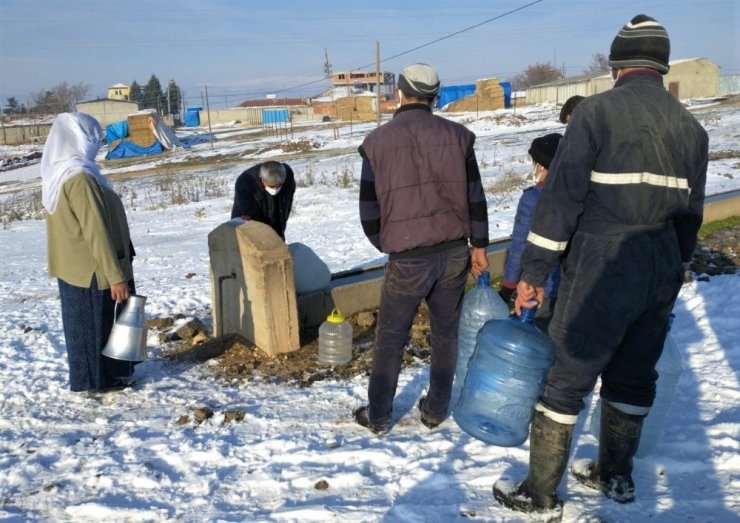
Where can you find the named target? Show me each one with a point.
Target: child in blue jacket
(542, 152)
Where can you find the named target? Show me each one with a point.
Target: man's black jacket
(252, 200)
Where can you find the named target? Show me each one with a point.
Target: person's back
(420, 181)
(649, 153)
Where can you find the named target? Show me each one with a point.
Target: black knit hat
(643, 42)
(543, 149)
(419, 80)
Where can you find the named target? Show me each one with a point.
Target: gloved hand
(507, 294)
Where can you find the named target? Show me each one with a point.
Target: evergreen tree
(153, 97)
(134, 93)
(12, 107)
(173, 98)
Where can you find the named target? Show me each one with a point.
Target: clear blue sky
(245, 49)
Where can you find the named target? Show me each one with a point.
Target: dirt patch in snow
(238, 359)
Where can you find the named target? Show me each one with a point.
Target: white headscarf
(73, 142)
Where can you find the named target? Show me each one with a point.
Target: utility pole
(377, 77)
(208, 110)
(327, 71)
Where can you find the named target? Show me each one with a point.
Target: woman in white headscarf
(89, 249)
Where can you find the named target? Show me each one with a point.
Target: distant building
(107, 111)
(350, 104)
(729, 84)
(688, 78)
(692, 78)
(119, 92)
(366, 81)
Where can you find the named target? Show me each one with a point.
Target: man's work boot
(428, 421)
(549, 446)
(619, 438)
(362, 417)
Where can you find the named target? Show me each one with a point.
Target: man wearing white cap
(422, 203)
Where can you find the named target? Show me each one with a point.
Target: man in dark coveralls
(621, 207)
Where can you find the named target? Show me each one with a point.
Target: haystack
(356, 108)
(489, 95)
(141, 128)
(146, 127)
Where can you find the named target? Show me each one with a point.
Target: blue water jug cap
(484, 279)
(528, 314)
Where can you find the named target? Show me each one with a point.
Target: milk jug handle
(115, 310)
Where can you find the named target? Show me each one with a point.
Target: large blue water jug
(505, 378)
(669, 368)
(481, 304)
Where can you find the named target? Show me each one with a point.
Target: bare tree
(536, 74)
(60, 98)
(599, 63)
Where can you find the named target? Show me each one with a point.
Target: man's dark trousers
(439, 278)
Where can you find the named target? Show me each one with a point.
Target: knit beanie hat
(643, 42)
(543, 149)
(419, 80)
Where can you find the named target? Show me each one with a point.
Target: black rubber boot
(549, 446)
(619, 438)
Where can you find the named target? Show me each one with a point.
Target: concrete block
(252, 286)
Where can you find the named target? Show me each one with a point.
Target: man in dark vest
(264, 193)
(422, 203)
(621, 208)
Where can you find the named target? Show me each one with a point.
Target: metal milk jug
(127, 340)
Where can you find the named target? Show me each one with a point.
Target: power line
(455, 33)
(437, 40)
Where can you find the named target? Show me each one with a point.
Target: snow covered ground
(67, 457)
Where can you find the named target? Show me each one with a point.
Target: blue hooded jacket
(522, 223)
